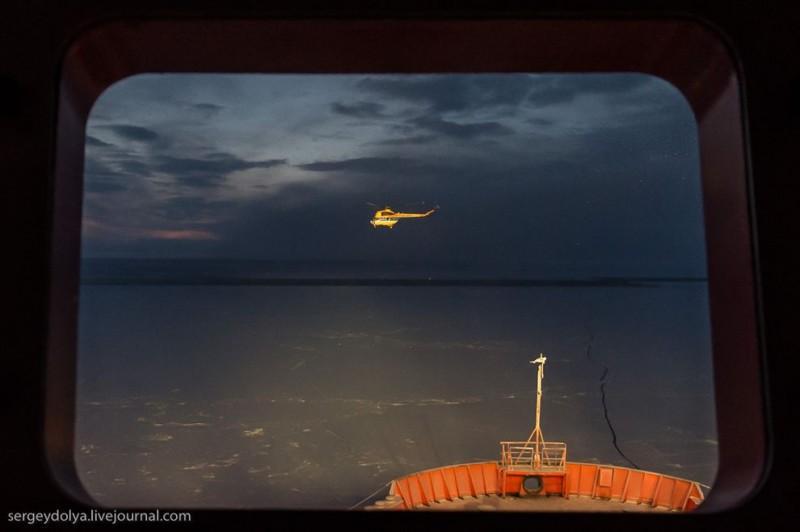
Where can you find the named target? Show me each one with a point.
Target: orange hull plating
(604, 482)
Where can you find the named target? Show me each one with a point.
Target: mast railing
(521, 456)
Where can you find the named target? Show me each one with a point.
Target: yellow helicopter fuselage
(388, 218)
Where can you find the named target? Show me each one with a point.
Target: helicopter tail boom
(413, 214)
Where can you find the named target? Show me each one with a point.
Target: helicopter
(387, 217)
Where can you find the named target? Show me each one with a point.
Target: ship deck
(581, 487)
(540, 504)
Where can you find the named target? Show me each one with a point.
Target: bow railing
(523, 456)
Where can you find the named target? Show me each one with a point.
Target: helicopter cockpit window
(296, 289)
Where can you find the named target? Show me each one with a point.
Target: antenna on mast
(536, 436)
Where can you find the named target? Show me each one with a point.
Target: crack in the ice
(605, 406)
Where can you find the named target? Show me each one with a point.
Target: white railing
(523, 456)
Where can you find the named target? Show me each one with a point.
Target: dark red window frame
(686, 53)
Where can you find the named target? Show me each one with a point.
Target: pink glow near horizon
(97, 229)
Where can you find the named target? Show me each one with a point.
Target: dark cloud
(618, 83)
(99, 186)
(120, 167)
(97, 143)
(218, 164)
(133, 167)
(207, 172)
(443, 94)
(369, 165)
(100, 177)
(359, 109)
(197, 180)
(541, 122)
(135, 133)
(208, 108)
(187, 208)
(405, 141)
(94, 167)
(550, 90)
(210, 171)
(551, 93)
(452, 93)
(461, 131)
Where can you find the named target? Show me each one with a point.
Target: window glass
(254, 334)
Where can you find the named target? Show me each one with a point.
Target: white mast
(536, 435)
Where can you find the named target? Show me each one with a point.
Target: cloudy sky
(595, 174)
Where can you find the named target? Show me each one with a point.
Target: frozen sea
(248, 394)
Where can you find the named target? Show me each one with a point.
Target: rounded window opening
(532, 484)
(190, 257)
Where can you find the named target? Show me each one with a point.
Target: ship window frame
(689, 54)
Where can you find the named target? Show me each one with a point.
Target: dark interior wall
(34, 35)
